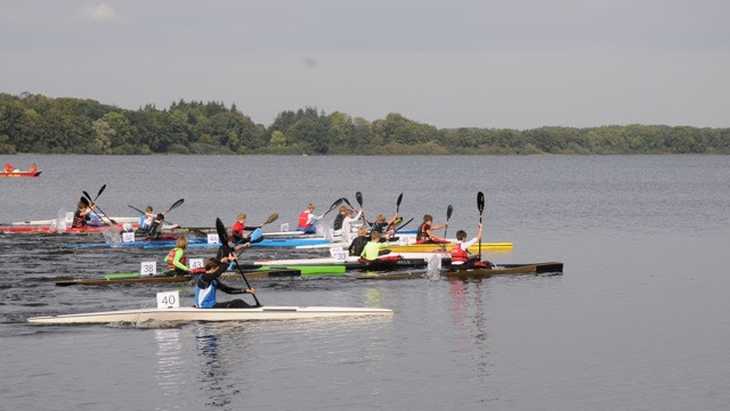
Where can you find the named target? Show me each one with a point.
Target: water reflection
(467, 313)
(170, 374)
(216, 382)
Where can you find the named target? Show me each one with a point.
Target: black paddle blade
(87, 196)
(175, 205)
(449, 212)
(398, 201)
(480, 202)
(135, 209)
(101, 190)
(220, 228)
(358, 197)
(347, 202)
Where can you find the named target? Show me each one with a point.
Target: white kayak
(119, 220)
(210, 314)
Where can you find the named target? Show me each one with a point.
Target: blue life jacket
(205, 297)
(93, 219)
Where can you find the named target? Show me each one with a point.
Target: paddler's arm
(234, 290)
(176, 260)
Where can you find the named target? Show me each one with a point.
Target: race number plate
(213, 238)
(148, 268)
(127, 237)
(196, 263)
(168, 299)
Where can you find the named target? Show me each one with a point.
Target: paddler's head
(380, 218)
(428, 218)
(375, 236)
(241, 217)
(149, 210)
(311, 207)
(344, 210)
(212, 264)
(83, 203)
(362, 231)
(461, 235)
(182, 242)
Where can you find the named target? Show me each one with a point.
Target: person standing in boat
(460, 253)
(425, 233)
(307, 220)
(177, 259)
(206, 285)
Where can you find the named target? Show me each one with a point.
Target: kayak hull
(20, 173)
(51, 229)
(434, 248)
(190, 314)
(506, 269)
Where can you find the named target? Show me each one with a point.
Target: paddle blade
(480, 202)
(101, 190)
(135, 209)
(398, 201)
(87, 196)
(449, 212)
(220, 228)
(273, 217)
(347, 202)
(175, 205)
(358, 197)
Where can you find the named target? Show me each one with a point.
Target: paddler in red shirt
(307, 220)
(238, 228)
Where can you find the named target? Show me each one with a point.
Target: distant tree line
(31, 123)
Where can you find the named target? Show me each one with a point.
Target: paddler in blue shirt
(145, 220)
(206, 285)
(85, 215)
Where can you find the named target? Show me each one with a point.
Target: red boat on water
(10, 171)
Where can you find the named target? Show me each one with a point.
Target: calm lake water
(639, 320)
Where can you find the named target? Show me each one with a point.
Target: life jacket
(422, 234)
(237, 229)
(8, 168)
(79, 220)
(458, 254)
(304, 218)
(205, 297)
(170, 258)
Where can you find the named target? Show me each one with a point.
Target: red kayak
(10, 171)
(20, 173)
(51, 229)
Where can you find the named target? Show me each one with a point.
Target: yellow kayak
(430, 248)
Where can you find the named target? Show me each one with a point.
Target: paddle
(449, 212)
(136, 209)
(223, 238)
(101, 190)
(397, 202)
(88, 197)
(175, 205)
(273, 217)
(349, 204)
(334, 205)
(403, 225)
(480, 207)
(358, 197)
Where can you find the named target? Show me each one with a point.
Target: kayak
(432, 248)
(120, 220)
(189, 314)
(26, 173)
(197, 243)
(454, 273)
(52, 229)
(136, 278)
(504, 269)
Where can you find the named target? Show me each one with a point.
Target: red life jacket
(304, 218)
(422, 234)
(79, 220)
(459, 254)
(237, 229)
(171, 257)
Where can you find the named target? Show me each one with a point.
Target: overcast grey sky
(518, 63)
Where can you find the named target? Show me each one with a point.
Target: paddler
(238, 228)
(85, 215)
(307, 220)
(176, 259)
(384, 226)
(425, 233)
(205, 286)
(374, 248)
(348, 223)
(344, 212)
(358, 244)
(8, 168)
(145, 220)
(460, 253)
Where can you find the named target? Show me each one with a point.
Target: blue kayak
(152, 245)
